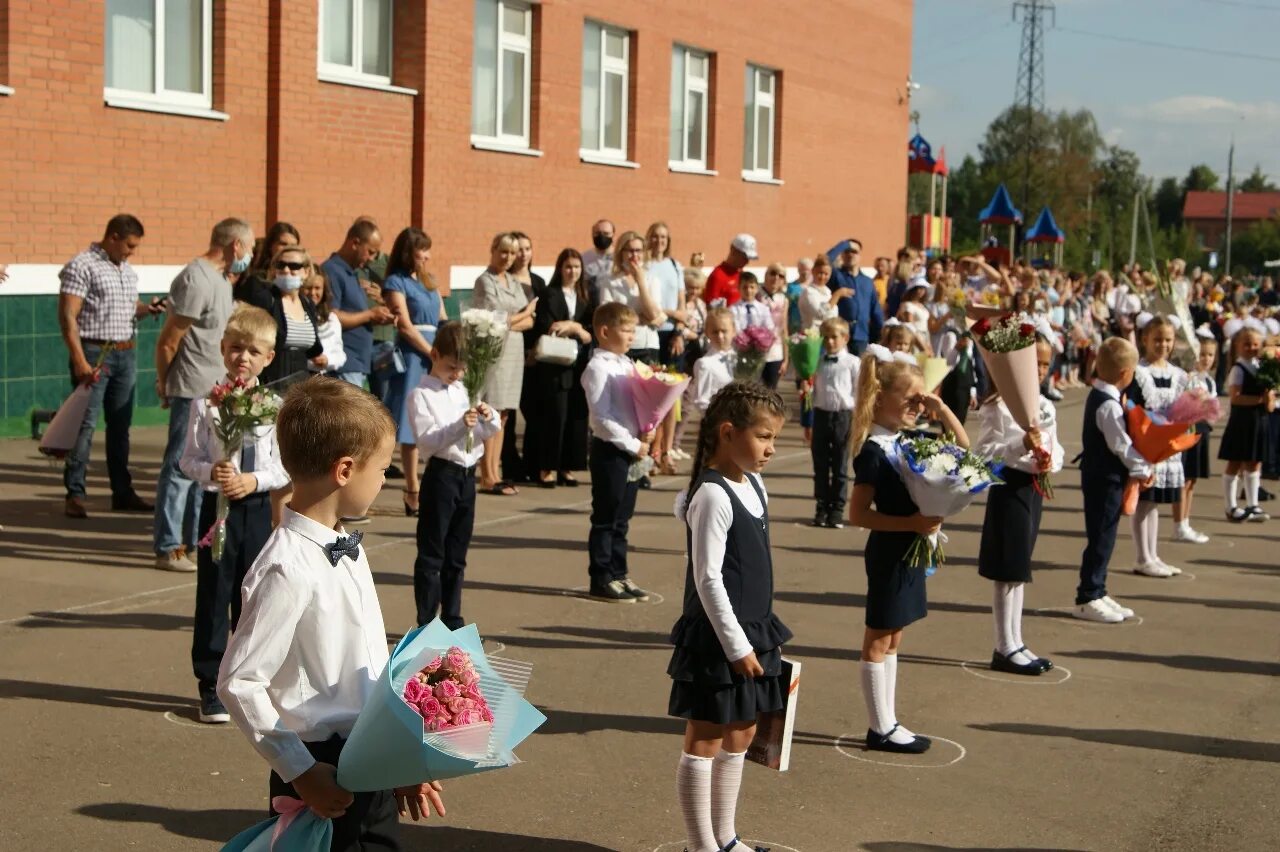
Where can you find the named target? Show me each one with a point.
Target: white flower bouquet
(485, 335)
(942, 478)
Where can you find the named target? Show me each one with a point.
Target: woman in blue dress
(411, 295)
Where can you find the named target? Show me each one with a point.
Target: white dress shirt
(309, 649)
(435, 416)
(835, 384)
(204, 450)
(620, 289)
(611, 413)
(1110, 420)
(711, 372)
(815, 306)
(710, 515)
(1235, 378)
(331, 339)
(999, 437)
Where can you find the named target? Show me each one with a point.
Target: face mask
(288, 283)
(240, 264)
(601, 241)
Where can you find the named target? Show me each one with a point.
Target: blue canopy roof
(1045, 230)
(1001, 210)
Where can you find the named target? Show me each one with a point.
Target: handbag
(389, 361)
(556, 350)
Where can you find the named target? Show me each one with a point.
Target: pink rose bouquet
(752, 346)
(446, 693)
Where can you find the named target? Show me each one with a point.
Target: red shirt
(722, 283)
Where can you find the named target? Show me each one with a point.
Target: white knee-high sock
(1230, 487)
(1001, 602)
(891, 693)
(693, 791)
(1252, 484)
(1015, 619)
(726, 779)
(1152, 526)
(1140, 532)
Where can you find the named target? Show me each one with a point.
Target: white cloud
(1204, 109)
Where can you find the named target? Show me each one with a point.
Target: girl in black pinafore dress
(891, 396)
(1244, 441)
(727, 665)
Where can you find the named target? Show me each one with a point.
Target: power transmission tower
(1029, 93)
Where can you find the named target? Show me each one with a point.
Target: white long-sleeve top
(330, 333)
(610, 412)
(710, 515)
(747, 314)
(435, 416)
(309, 649)
(1110, 421)
(711, 372)
(204, 450)
(1000, 437)
(815, 306)
(836, 382)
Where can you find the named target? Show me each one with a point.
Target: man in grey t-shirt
(188, 364)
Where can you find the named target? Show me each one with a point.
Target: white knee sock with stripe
(726, 779)
(693, 791)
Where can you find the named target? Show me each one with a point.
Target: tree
(1119, 182)
(1201, 178)
(1256, 182)
(1258, 243)
(1168, 201)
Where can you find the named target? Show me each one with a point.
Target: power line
(1243, 5)
(1233, 54)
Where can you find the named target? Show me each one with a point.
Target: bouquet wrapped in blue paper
(441, 710)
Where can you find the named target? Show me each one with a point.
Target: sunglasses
(291, 265)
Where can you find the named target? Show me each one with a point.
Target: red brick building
(464, 117)
(1206, 213)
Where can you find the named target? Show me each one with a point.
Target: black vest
(748, 565)
(1097, 462)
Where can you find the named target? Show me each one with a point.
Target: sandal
(547, 480)
(566, 480)
(410, 509)
(502, 489)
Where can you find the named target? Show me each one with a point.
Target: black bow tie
(831, 359)
(345, 545)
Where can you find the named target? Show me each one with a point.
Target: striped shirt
(299, 334)
(109, 291)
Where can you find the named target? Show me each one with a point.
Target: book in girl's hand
(772, 744)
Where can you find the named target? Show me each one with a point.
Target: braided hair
(737, 403)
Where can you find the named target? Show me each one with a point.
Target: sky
(1174, 107)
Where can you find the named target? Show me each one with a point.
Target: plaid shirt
(110, 294)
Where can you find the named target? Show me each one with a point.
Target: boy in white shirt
(312, 643)
(616, 443)
(834, 387)
(248, 346)
(441, 417)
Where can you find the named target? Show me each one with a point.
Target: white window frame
(612, 65)
(680, 111)
(162, 99)
(755, 73)
(524, 46)
(354, 74)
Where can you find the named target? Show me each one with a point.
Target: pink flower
(447, 689)
(456, 659)
(486, 714)
(413, 691)
(468, 717)
(433, 666)
(468, 679)
(429, 706)
(472, 691)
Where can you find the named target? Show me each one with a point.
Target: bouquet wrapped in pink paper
(752, 346)
(654, 393)
(1193, 406)
(1008, 351)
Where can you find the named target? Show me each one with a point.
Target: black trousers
(772, 372)
(613, 502)
(446, 517)
(1103, 502)
(371, 823)
(830, 450)
(562, 431)
(218, 583)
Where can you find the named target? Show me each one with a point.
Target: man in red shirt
(722, 283)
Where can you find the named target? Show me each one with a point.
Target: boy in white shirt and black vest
(616, 443)
(833, 399)
(312, 643)
(442, 417)
(248, 346)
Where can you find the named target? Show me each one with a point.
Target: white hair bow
(1256, 324)
(1204, 332)
(1176, 322)
(884, 356)
(891, 322)
(1232, 327)
(1143, 319)
(1273, 326)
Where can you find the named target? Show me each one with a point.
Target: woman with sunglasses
(255, 285)
(298, 343)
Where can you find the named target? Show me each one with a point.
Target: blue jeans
(380, 380)
(177, 498)
(113, 396)
(356, 379)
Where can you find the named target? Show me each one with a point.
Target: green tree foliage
(1168, 203)
(1200, 178)
(1258, 243)
(1256, 182)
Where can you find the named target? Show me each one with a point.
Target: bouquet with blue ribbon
(391, 745)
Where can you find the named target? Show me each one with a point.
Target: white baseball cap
(746, 244)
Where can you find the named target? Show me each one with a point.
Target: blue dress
(424, 312)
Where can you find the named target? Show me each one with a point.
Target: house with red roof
(1206, 213)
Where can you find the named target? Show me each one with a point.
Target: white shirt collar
(612, 356)
(1107, 388)
(310, 529)
(886, 439)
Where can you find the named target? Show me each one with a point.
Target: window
(500, 72)
(160, 51)
(690, 91)
(355, 41)
(606, 78)
(761, 116)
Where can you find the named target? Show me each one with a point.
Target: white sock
(726, 778)
(1230, 485)
(1001, 603)
(1015, 620)
(693, 791)
(891, 693)
(1252, 482)
(1184, 525)
(1137, 523)
(1152, 526)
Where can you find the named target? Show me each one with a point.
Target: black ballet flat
(736, 842)
(1044, 662)
(881, 742)
(1001, 663)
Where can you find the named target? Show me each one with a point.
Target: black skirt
(895, 596)
(705, 688)
(1245, 438)
(1010, 528)
(1195, 461)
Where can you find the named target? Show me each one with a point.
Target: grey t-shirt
(202, 294)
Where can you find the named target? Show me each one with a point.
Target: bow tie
(344, 545)
(831, 359)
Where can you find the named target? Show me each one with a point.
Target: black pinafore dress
(1245, 438)
(895, 590)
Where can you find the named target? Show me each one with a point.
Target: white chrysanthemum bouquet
(942, 478)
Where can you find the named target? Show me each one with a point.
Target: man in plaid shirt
(97, 308)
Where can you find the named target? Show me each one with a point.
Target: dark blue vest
(1097, 463)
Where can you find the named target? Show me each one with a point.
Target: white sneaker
(679, 454)
(1097, 611)
(176, 561)
(1122, 611)
(1172, 569)
(1152, 569)
(1187, 534)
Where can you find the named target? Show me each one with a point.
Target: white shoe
(1122, 611)
(176, 561)
(1097, 611)
(1187, 534)
(1152, 569)
(678, 454)
(1173, 570)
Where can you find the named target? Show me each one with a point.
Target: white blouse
(999, 437)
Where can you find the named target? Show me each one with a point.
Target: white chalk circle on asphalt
(1054, 677)
(855, 747)
(746, 844)
(580, 593)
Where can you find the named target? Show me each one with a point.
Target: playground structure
(1000, 211)
(930, 232)
(1044, 241)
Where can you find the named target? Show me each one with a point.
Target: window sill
(683, 169)
(484, 143)
(340, 80)
(6, 90)
(756, 178)
(602, 160)
(161, 107)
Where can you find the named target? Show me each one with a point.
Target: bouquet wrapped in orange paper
(1156, 440)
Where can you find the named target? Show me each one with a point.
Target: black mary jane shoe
(736, 843)
(881, 742)
(1001, 663)
(1044, 662)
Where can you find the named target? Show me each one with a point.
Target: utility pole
(1231, 201)
(1029, 93)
